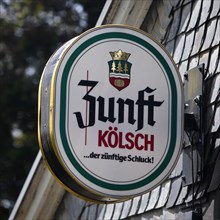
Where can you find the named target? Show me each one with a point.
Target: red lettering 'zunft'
(114, 139)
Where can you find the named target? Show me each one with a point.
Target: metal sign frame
(47, 117)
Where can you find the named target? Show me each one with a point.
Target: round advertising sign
(111, 114)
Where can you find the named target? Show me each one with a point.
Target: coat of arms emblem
(119, 69)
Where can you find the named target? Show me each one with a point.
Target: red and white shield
(119, 69)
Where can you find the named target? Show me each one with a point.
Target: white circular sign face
(117, 111)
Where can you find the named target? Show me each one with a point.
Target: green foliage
(30, 31)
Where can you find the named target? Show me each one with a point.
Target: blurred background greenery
(30, 31)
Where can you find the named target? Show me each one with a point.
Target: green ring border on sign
(163, 165)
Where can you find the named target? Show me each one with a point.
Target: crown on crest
(119, 55)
